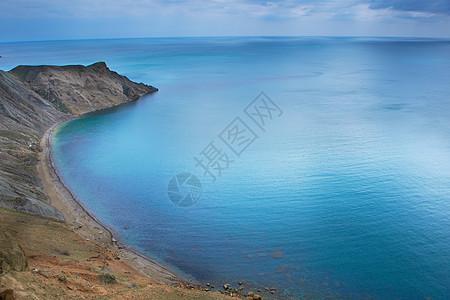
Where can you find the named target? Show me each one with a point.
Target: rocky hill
(32, 98)
(42, 257)
(79, 89)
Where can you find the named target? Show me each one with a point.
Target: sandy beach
(51, 247)
(86, 225)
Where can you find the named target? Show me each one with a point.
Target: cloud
(418, 6)
(352, 9)
(126, 18)
(275, 9)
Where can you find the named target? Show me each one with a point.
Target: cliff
(41, 257)
(78, 89)
(32, 98)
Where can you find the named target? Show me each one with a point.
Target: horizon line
(228, 36)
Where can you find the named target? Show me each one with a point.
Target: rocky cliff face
(79, 89)
(32, 98)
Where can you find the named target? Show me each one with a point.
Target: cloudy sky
(28, 20)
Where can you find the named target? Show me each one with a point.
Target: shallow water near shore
(345, 194)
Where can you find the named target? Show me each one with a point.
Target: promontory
(50, 247)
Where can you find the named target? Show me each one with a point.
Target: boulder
(107, 278)
(12, 257)
(8, 295)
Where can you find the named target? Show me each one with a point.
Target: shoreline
(85, 224)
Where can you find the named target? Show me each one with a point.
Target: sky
(26, 20)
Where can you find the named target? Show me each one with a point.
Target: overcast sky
(26, 20)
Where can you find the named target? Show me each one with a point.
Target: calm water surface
(345, 195)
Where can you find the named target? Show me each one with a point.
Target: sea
(316, 166)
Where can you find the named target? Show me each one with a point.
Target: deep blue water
(346, 194)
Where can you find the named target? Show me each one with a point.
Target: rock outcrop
(32, 98)
(12, 257)
(78, 89)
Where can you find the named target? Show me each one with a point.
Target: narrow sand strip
(86, 224)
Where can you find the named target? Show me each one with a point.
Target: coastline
(51, 246)
(85, 224)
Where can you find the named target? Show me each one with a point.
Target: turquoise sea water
(345, 195)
